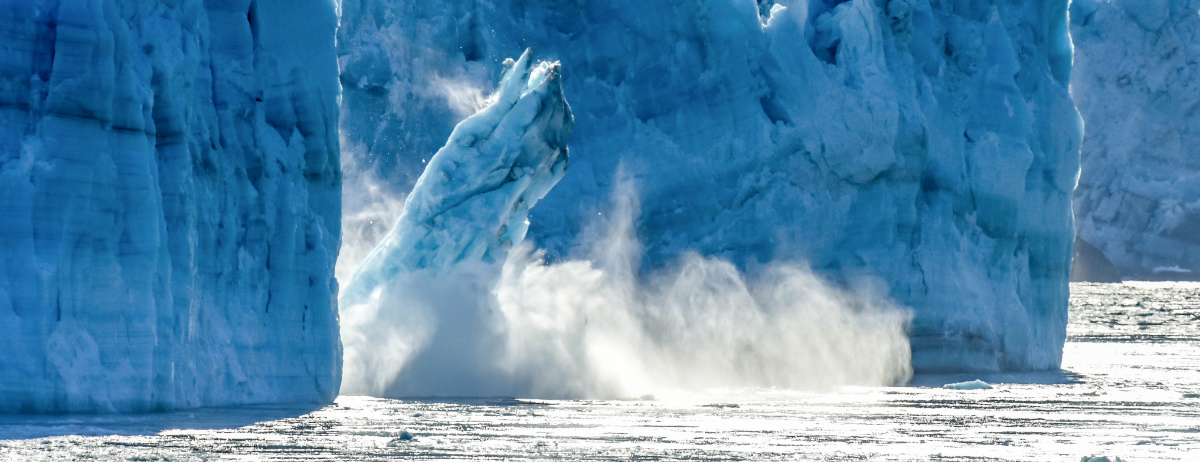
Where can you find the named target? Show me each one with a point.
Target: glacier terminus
(925, 150)
(769, 177)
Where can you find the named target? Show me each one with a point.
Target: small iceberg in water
(972, 385)
(1171, 269)
(1100, 459)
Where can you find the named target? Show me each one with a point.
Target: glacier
(454, 302)
(1137, 85)
(923, 150)
(170, 188)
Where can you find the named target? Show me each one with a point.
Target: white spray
(595, 328)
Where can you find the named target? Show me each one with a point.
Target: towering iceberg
(1137, 84)
(927, 147)
(169, 204)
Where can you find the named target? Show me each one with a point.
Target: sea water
(1129, 388)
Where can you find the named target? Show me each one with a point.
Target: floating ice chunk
(1100, 459)
(972, 385)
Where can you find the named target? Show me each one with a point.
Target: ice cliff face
(1137, 84)
(169, 204)
(928, 146)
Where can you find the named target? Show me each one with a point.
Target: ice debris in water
(972, 385)
(1100, 459)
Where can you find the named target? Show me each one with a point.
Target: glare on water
(1130, 388)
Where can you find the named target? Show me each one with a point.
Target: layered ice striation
(1137, 84)
(927, 149)
(469, 207)
(169, 204)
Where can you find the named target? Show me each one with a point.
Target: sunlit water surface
(1130, 388)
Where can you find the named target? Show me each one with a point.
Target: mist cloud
(597, 328)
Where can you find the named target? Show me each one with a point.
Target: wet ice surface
(1130, 388)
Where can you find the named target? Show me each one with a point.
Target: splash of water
(462, 95)
(368, 211)
(597, 328)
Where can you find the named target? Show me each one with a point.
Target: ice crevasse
(926, 147)
(170, 195)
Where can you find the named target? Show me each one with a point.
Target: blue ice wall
(928, 146)
(1137, 84)
(169, 204)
